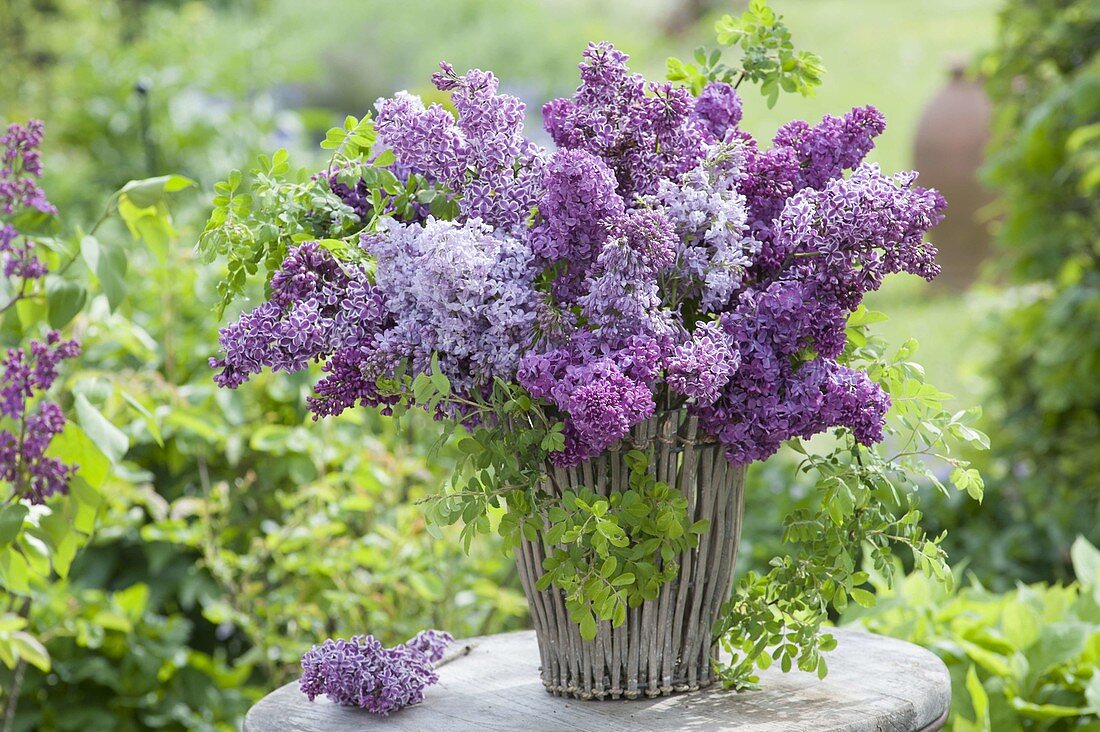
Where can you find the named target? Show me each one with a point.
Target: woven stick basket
(665, 645)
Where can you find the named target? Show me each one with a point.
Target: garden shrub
(146, 341)
(1043, 412)
(1027, 659)
(120, 665)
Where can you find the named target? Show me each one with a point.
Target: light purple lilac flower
(713, 248)
(700, 368)
(462, 291)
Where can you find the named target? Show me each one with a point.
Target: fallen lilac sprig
(361, 672)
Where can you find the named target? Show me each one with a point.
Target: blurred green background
(248, 533)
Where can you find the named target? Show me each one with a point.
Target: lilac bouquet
(658, 259)
(550, 304)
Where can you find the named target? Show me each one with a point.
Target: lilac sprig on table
(361, 672)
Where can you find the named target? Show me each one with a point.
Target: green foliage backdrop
(1043, 406)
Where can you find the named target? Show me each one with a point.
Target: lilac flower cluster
(28, 373)
(801, 157)
(457, 290)
(315, 308)
(483, 157)
(658, 256)
(362, 673)
(20, 169)
(713, 247)
(644, 132)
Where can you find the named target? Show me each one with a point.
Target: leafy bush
(223, 618)
(1044, 407)
(56, 447)
(1027, 659)
(118, 664)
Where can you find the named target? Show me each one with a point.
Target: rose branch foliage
(544, 302)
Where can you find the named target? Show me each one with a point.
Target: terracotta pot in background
(949, 150)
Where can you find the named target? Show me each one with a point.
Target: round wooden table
(874, 683)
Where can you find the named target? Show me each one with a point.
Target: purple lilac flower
(602, 390)
(644, 132)
(701, 367)
(780, 388)
(659, 253)
(803, 156)
(602, 404)
(20, 169)
(362, 673)
(851, 234)
(432, 643)
(483, 157)
(622, 297)
(718, 107)
(315, 308)
(26, 375)
(579, 197)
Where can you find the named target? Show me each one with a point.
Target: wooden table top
(874, 683)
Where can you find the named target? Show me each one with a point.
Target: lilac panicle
(20, 169)
(27, 374)
(362, 673)
(28, 421)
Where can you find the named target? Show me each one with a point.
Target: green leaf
(1086, 564)
(384, 159)
(1046, 711)
(1021, 625)
(150, 191)
(89, 250)
(65, 299)
(88, 500)
(14, 572)
(11, 621)
(151, 422)
(74, 447)
(11, 521)
(588, 625)
(31, 650)
(862, 597)
(111, 266)
(108, 438)
(979, 699)
(624, 579)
